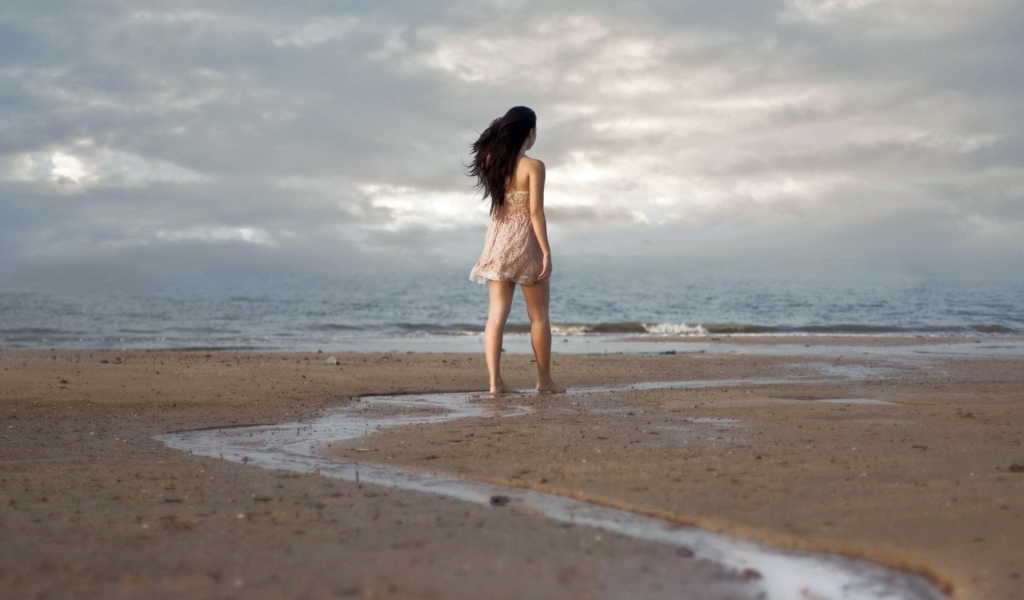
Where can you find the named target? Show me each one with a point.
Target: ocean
(446, 312)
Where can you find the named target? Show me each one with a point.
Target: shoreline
(838, 340)
(745, 447)
(603, 343)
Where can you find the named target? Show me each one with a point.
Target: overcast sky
(814, 136)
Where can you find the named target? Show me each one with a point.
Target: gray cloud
(145, 135)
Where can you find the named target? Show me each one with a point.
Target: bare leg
(501, 303)
(537, 298)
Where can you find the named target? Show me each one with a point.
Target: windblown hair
(496, 153)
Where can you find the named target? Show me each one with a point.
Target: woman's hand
(545, 271)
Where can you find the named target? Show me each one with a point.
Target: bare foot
(500, 388)
(550, 387)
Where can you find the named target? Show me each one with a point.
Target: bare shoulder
(533, 165)
(529, 169)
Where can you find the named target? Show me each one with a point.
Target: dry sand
(91, 506)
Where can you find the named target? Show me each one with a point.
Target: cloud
(336, 135)
(80, 165)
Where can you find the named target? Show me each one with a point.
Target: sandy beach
(915, 463)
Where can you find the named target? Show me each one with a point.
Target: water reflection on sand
(759, 570)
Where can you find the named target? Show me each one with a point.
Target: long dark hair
(496, 153)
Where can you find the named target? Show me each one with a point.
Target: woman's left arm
(540, 225)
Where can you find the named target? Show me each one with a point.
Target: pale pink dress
(511, 251)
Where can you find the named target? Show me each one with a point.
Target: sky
(143, 140)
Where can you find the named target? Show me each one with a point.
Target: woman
(516, 248)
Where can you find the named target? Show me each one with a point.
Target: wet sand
(849, 340)
(92, 506)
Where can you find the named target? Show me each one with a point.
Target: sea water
(427, 311)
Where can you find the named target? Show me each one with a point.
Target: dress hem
(482, 278)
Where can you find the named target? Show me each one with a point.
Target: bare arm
(536, 174)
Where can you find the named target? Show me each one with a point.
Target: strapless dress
(511, 250)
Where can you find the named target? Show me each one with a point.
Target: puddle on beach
(781, 574)
(851, 370)
(856, 401)
(685, 385)
(717, 421)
